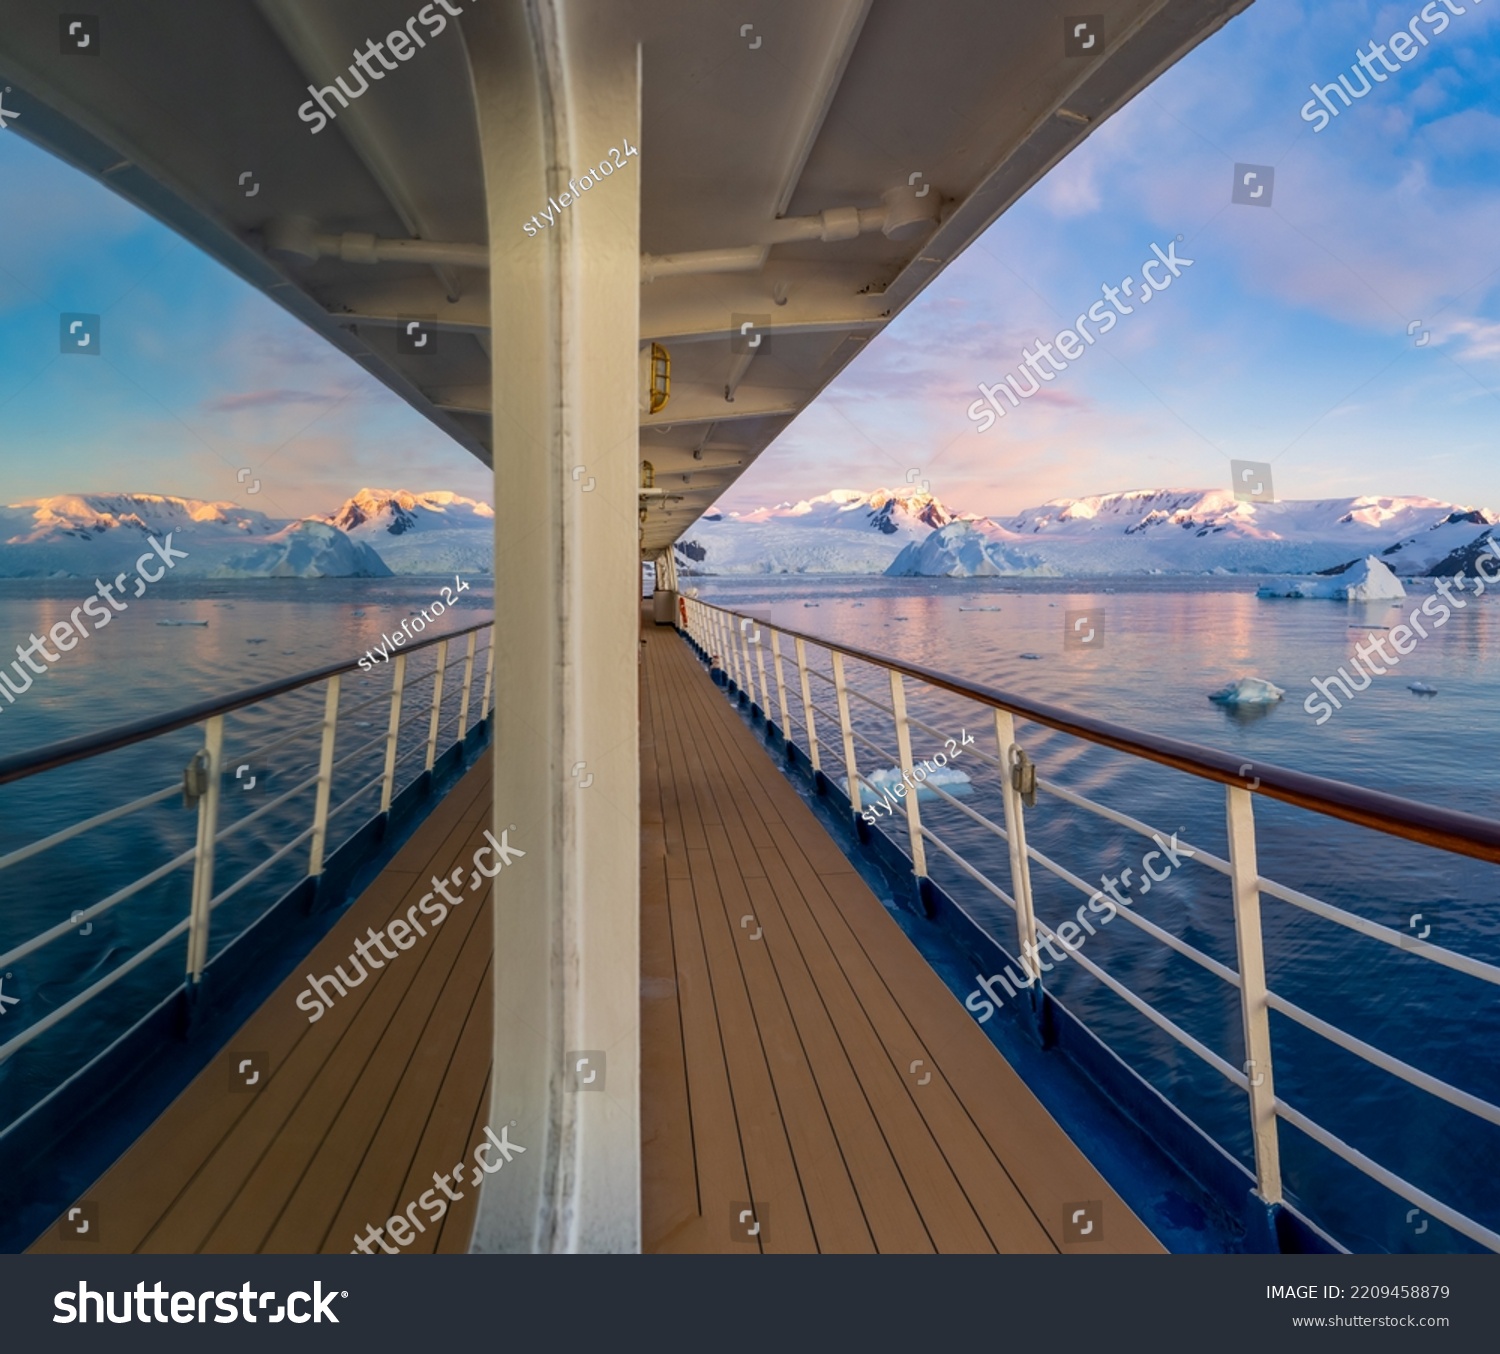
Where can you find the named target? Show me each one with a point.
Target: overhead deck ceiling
(817, 107)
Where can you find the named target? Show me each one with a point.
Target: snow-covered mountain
(1194, 530)
(1161, 531)
(429, 533)
(842, 532)
(100, 535)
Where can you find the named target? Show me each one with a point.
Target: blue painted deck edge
(71, 1137)
(1194, 1196)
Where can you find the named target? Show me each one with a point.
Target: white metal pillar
(557, 85)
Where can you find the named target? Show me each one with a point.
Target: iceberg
(1248, 691)
(953, 781)
(1366, 580)
(306, 549)
(968, 549)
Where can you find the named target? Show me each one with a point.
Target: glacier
(845, 531)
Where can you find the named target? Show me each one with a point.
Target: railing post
(786, 725)
(489, 676)
(1239, 812)
(437, 702)
(745, 627)
(1015, 833)
(325, 777)
(199, 914)
(760, 664)
(851, 769)
(735, 637)
(807, 709)
(727, 655)
(903, 746)
(393, 733)
(463, 705)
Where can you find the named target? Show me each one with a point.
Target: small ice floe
(979, 608)
(1037, 656)
(1108, 589)
(182, 622)
(1247, 691)
(948, 778)
(1422, 689)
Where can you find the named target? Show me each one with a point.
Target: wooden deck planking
(222, 1170)
(976, 1170)
(840, 1005)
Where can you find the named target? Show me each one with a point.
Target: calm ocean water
(135, 668)
(1162, 647)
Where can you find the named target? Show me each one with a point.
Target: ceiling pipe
(746, 259)
(903, 214)
(297, 238)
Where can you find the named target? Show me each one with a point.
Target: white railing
(729, 638)
(207, 771)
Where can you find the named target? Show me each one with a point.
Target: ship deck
(799, 1057)
(801, 1063)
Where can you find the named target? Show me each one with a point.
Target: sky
(1284, 342)
(198, 377)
